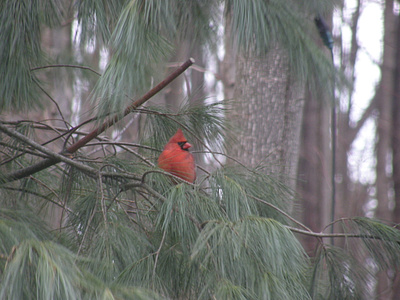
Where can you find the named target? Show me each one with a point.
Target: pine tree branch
(56, 158)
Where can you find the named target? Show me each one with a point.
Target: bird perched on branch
(176, 158)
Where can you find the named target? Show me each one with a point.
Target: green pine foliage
(125, 228)
(253, 252)
(133, 232)
(20, 49)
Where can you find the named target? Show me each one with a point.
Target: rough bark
(268, 110)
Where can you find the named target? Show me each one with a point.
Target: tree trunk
(314, 168)
(384, 130)
(174, 93)
(385, 95)
(268, 110)
(227, 67)
(396, 147)
(345, 132)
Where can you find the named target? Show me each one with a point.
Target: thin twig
(66, 66)
(334, 222)
(130, 218)
(87, 228)
(333, 235)
(198, 69)
(102, 200)
(282, 212)
(158, 253)
(55, 103)
(138, 155)
(40, 125)
(47, 198)
(123, 144)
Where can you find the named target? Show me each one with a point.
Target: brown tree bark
(268, 111)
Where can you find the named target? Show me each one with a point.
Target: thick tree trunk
(268, 111)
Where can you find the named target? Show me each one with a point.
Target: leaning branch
(41, 165)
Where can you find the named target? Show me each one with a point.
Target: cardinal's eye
(181, 144)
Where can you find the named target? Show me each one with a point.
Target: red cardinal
(176, 158)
